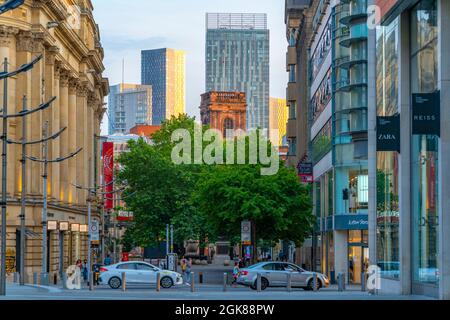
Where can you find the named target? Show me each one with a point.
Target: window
(127, 266)
(321, 144)
(141, 266)
(292, 110)
(425, 149)
(228, 125)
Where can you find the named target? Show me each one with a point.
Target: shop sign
(64, 226)
(52, 225)
(246, 232)
(75, 227)
(305, 172)
(426, 110)
(10, 261)
(108, 173)
(125, 216)
(94, 231)
(388, 133)
(351, 222)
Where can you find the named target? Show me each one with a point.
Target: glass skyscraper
(237, 59)
(129, 105)
(164, 69)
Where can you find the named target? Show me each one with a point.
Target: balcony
(291, 91)
(291, 55)
(291, 128)
(357, 33)
(357, 10)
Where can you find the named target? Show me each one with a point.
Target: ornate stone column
(72, 130)
(56, 126)
(64, 138)
(36, 127)
(50, 91)
(80, 133)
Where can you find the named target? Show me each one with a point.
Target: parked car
(275, 274)
(137, 272)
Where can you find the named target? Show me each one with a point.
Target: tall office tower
(164, 69)
(278, 119)
(128, 106)
(237, 60)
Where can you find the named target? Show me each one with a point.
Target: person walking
(85, 270)
(183, 265)
(236, 274)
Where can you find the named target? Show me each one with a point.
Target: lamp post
(4, 75)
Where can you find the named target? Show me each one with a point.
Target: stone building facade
(224, 111)
(71, 70)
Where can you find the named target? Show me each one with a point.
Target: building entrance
(358, 262)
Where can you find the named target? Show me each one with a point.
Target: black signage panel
(426, 109)
(388, 133)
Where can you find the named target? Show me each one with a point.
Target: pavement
(202, 292)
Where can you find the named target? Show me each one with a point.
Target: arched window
(228, 124)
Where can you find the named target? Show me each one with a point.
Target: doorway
(358, 262)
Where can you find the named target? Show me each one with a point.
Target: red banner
(108, 173)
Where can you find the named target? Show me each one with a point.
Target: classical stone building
(224, 110)
(65, 33)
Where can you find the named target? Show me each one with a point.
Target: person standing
(188, 271)
(183, 265)
(85, 270)
(107, 261)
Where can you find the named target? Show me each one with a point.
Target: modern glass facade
(128, 106)
(387, 179)
(237, 59)
(425, 148)
(164, 70)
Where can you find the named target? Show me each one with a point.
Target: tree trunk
(255, 245)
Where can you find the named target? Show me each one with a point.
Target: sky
(127, 27)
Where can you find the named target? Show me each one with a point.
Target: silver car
(275, 274)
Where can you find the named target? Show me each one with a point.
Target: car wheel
(264, 283)
(311, 286)
(115, 283)
(166, 282)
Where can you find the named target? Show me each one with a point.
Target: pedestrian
(107, 261)
(183, 267)
(188, 271)
(236, 273)
(85, 270)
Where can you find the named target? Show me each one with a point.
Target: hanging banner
(388, 133)
(426, 110)
(305, 172)
(108, 173)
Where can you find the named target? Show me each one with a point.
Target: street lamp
(10, 5)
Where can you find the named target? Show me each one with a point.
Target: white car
(137, 272)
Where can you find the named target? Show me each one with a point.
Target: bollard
(35, 278)
(258, 282)
(192, 281)
(44, 279)
(200, 277)
(315, 284)
(55, 279)
(16, 277)
(158, 282)
(91, 281)
(340, 284)
(64, 280)
(124, 281)
(363, 282)
(289, 282)
(225, 281)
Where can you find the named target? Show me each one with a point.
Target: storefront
(412, 182)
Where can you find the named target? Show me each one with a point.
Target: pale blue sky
(129, 26)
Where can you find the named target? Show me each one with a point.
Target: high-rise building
(165, 69)
(237, 60)
(327, 56)
(278, 112)
(224, 111)
(128, 106)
